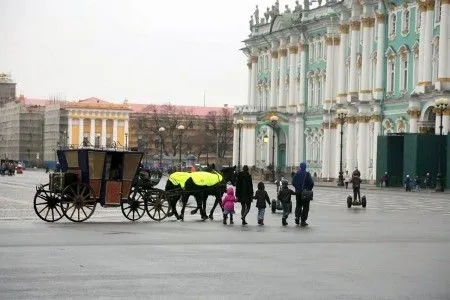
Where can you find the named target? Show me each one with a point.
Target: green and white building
(383, 62)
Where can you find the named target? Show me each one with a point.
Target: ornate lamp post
(180, 135)
(239, 124)
(341, 114)
(161, 131)
(273, 124)
(441, 105)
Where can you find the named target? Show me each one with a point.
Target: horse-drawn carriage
(110, 178)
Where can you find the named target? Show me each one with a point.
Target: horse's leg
(173, 206)
(203, 198)
(184, 200)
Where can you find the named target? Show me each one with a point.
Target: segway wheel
(363, 201)
(349, 201)
(273, 206)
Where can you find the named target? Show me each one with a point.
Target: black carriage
(90, 176)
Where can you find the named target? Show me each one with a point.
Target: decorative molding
(413, 113)
(368, 22)
(351, 120)
(444, 79)
(274, 54)
(344, 28)
(380, 17)
(355, 25)
(293, 49)
(375, 118)
(254, 59)
(363, 119)
(365, 91)
(424, 83)
(282, 52)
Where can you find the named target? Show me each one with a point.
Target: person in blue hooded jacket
(302, 180)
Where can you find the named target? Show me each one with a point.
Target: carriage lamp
(341, 115)
(180, 136)
(274, 123)
(161, 131)
(239, 124)
(441, 105)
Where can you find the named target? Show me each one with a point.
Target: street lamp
(441, 105)
(180, 135)
(274, 123)
(341, 114)
(239, 124)
(161, 131)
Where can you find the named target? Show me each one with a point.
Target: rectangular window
(391, 77)
(405, 75)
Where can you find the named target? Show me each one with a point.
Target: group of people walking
(244, 194)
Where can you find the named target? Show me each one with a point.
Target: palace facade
(380, 64)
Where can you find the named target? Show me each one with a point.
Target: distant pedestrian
(302, 181)
(347, 179)
(261, 197)
(228, 201)
(284, 196)
(427, 181)
(417, 183)
(244, 192)
(408, 183)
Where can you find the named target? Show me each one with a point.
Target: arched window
(319, 91)
(405, 22)
(437, 11)
(404, 73)
(311, 92)
(390, 75)
(416, 65)
(311, 51)
(393, 23)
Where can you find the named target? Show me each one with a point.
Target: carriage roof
(96, 163)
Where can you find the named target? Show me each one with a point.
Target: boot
(231, 220)
(297, 221)
(262, 222)
(283, 221)
(224, 219)
(243, 222)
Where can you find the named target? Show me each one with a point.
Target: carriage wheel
(47, 204)
(134, 207)
(157, 206)
(78, 202)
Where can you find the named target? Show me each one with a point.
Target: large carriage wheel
(47, 204)
(134, 207)
(157, 205)
(78, 202)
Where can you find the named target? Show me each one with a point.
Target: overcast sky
(144, 50)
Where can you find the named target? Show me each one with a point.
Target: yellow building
(96, 123)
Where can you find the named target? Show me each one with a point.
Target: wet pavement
(396, 248)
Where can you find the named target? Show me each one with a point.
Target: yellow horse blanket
(199, 178)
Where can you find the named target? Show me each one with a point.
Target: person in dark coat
(356, 185)
(244, 192)
(302, 180)
(261, 198)
(284, 195)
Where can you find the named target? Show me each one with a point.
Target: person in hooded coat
(302, 180)
(244, 192)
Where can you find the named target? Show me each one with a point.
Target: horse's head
(229, 174)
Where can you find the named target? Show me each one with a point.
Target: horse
(200, 185)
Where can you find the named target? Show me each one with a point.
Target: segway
(355, 202)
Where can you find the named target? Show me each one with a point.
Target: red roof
(135, 107)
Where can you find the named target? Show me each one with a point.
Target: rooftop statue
(287, 9)
(298, 6)
(320, 2)
(256, 14)
(267, 15)
(306, 4)
(251, 22)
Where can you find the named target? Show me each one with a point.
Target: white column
(444, 50)
(251, 146)
(80, 132)
(290, 143)
(379, 85)
(427, 44)
(365, 92)
(273, 78)
(301, 140)
(253, 91)
(281, 87)
(326, 150)
(249, 84)
(292, 73)
(114, 137)
(92, 133)
(296, 140)
(328, 89)
(354, 49)
(350, 144)
(69, 131)
(413, 120)
(362, 151)
(302, 97)
(445, 122)
(125, 131)
(376, 133)
(103, 133)
(423, 11)
(341, 91)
